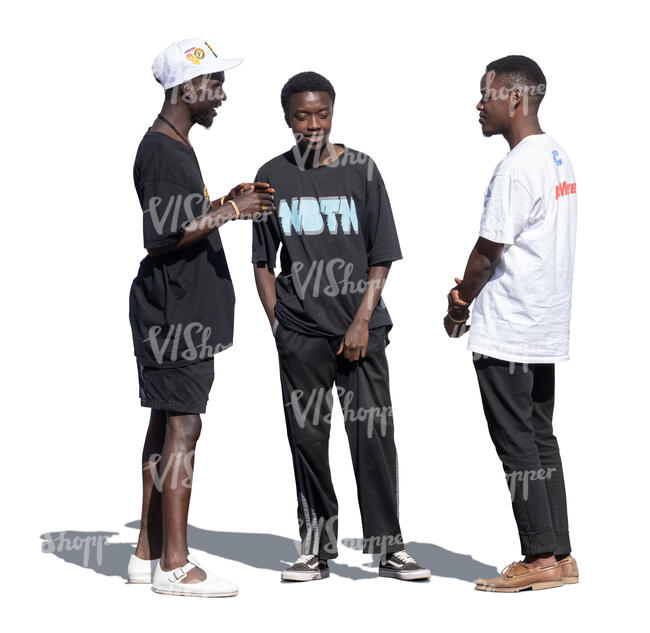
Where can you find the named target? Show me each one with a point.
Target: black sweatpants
(518, 402)
(309, 366)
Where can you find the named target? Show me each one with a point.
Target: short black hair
(521, 70)
(305, 82)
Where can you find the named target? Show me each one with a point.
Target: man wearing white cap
(181, 309)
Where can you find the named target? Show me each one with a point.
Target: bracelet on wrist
(236, 208)
(451, 318)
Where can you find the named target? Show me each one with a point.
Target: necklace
(169, 123)
(173, 127)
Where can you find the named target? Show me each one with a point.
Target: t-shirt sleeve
(266, 237)
(166, 209)
(381, 234)
(506, 211)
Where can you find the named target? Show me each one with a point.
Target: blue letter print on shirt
(556, 154)
(306, 215)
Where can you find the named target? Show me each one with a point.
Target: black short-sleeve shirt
(333, 222)
(182, 302)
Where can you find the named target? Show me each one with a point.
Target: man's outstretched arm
(253, 200)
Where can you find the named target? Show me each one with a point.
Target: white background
(79, 95)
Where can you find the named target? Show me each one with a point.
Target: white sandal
(169, 582)
(140, 571)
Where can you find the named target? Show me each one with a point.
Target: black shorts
(180, 389)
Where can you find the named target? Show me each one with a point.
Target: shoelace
(513, 567)
(508, 568)
(305, 558)
(404, 557)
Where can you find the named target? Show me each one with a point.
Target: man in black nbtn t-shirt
(335, 224)
(181, 309)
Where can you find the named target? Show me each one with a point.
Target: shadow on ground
(93, 550)
(442, 562)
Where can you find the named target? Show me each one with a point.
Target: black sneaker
(401, 566)
(307, 567)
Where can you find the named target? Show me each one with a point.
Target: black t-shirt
(334, 222)
(182, 302)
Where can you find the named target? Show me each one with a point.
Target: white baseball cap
(187, 59)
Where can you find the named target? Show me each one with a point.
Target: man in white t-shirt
(520, 274)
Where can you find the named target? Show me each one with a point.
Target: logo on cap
(195, 55)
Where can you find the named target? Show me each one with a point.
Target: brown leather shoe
(569, 568)
(516, 577)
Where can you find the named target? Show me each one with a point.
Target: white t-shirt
(522, 314)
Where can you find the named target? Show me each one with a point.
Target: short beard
(203, 118)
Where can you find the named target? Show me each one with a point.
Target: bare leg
(181, 435)
(150, 539)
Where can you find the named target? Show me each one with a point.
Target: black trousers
(309, 366)
(518, 402)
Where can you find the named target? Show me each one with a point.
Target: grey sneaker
(401, 566)
(307, 567)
